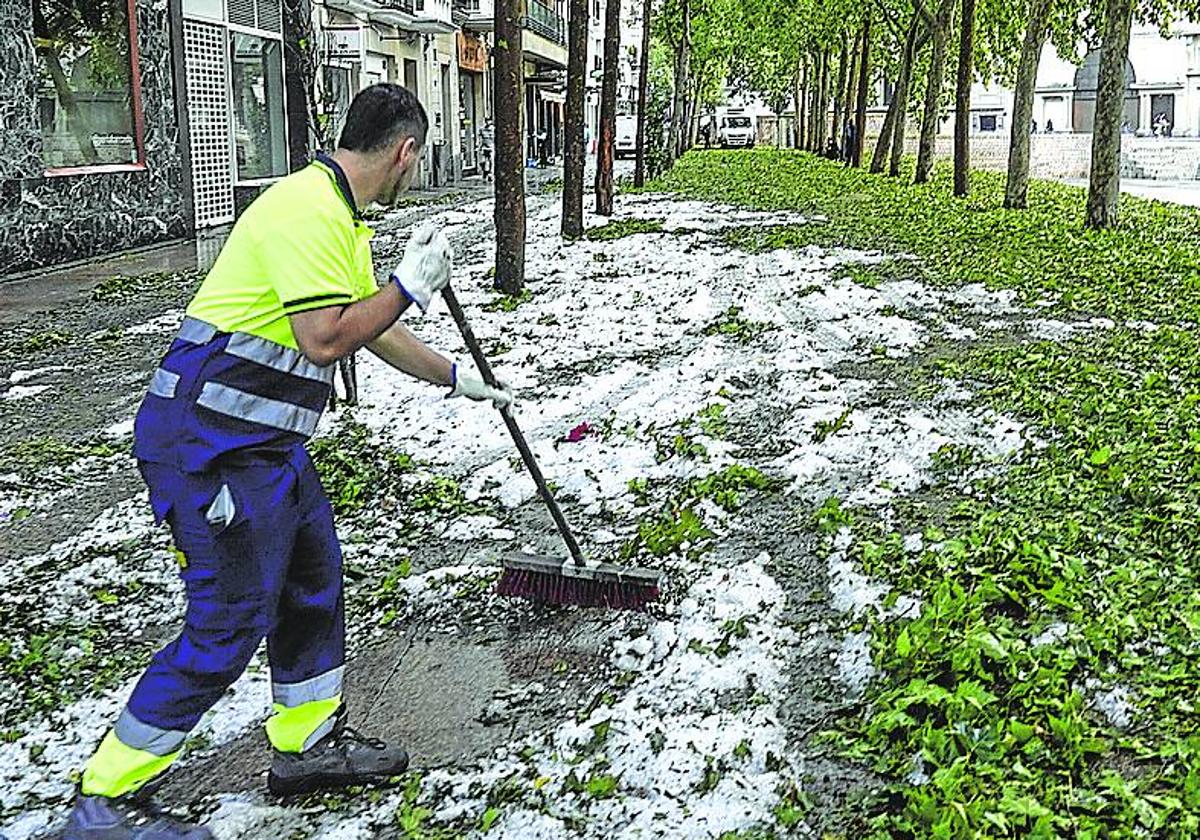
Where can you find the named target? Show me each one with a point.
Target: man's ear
(407, 152)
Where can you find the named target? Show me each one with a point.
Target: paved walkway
(1173, 192)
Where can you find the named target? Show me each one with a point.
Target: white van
(735, 129)
(626, 141)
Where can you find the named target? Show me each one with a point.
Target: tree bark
(894, 120)
(1104, 185)
(930, 119)
(693, 107)
(900, 130)
(962, 101)
(835, 129)
(682, 72)
(821, 78)
(823, 122)
(574, 154)
(813, 100)
(801, 110)
(508, 97)
(1016, 189)
(608, 108)
(851, 86)
(864, 69)
(639, 172)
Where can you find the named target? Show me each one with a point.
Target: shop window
(259, 135)
(88, 88)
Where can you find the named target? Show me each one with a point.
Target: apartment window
(259, 135)
(88, 87)
(596, 9)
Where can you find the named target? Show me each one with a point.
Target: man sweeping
(220, 443)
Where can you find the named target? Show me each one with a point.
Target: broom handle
(460, 318)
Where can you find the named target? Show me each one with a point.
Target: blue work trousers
(260, 560)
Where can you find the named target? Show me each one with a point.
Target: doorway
(1162, 114)
(469, 128)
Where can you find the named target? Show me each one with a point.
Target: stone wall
(1069, 156)
(46, 220)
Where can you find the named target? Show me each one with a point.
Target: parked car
(735, 131)
(626, 143)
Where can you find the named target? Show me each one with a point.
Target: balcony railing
(408, 6)
(546, 22)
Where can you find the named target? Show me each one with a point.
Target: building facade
(89, 151)
(1162, 85)
(544, 47)
(629, 62)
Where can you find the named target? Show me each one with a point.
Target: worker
(219, 440)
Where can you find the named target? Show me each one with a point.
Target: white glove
(469, 384)
(425, 269)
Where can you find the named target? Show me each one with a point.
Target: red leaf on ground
(579, 433)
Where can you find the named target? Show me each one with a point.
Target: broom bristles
(556, 588)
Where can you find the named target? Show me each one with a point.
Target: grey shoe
(125, 818)
(341, 758)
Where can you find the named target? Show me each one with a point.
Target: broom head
(553, 580)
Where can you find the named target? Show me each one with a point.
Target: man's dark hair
(381, 115)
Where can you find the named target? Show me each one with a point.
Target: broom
(573, 581)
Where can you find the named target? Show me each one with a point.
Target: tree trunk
(901, 126)
(1016, 190)
(823, 121)
(835, 129)
(608, 108)
(844, 139)
(864, 70)
(801, 109)
(893, 123)
(639, 172)
(575, 154)
(819, 103)
(811, 101)
(682, 71)
(931, 117)
(508, 98)
(962, 101)
(693, 108)
(307, 130)
(1105, 182)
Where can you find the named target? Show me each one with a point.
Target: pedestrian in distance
(220, 441)
(487, 146)
(849, 138)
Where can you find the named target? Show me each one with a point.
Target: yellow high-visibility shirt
(301, 245)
